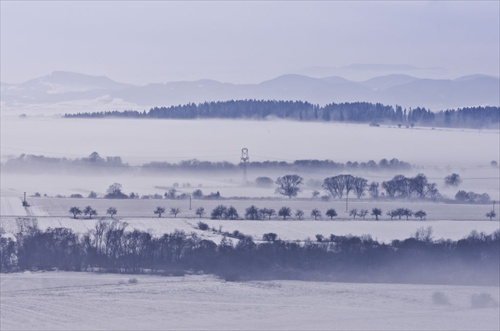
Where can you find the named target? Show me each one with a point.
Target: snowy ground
(82, 301)
(383, 231)
(448, 221)
(59, 207)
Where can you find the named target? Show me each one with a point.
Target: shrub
(439, 298)
(482, 300)
(219, 212)
(264, 182)
(453, 180)
(200, 211)
(285, 212)
(115, 192)
(420, 214)
(159, 211)
(269, 236)
(213, 196)
(331, 213)
(424, 234)
(197, 194)
(315, 213)
(491, 215)
(252, 213)
(232, 213)
(377, 212)
(472, 197)
(174, 211)
(203, 226)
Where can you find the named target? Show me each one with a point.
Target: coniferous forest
(357, 112)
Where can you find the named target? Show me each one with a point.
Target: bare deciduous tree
(285, 212)
(491, 215)
(200, 211)
(360, 184)
(159, 211)
(420, 214)
(111, 211)
(315, 213)
(376, 212)
(362, 213)
(373, 189)
(453, 180)
(331, 213)
(75, 211)
(289, 185)
(174, 211)
(89, 211)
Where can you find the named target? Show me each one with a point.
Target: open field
(448, 221)
(383, 231)
(81, 301)
(59, 207)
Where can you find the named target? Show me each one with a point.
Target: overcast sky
(243, 42)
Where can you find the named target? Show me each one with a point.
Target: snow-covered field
(81, 301)
(448, 221)
(59, 207)
(383, 231)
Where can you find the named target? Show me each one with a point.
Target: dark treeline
(357, 112)
(41, 163)
(97, 163)
(110, 248)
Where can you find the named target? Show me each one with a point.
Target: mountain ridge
(401, 89)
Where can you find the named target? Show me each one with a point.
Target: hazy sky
(142, 42)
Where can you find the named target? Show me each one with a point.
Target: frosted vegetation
(110, 247)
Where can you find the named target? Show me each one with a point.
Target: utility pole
(347, 202)
(25, 203)
(244, 160)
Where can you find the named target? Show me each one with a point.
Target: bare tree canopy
(289, 185)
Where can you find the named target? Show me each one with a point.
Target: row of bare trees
(340, 185)
(113, 247)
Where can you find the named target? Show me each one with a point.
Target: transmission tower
(244, 160)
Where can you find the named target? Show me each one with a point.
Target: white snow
(11, 206)
(83, 301)
(383, 231)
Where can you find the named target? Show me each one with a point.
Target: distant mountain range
(404, 90)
